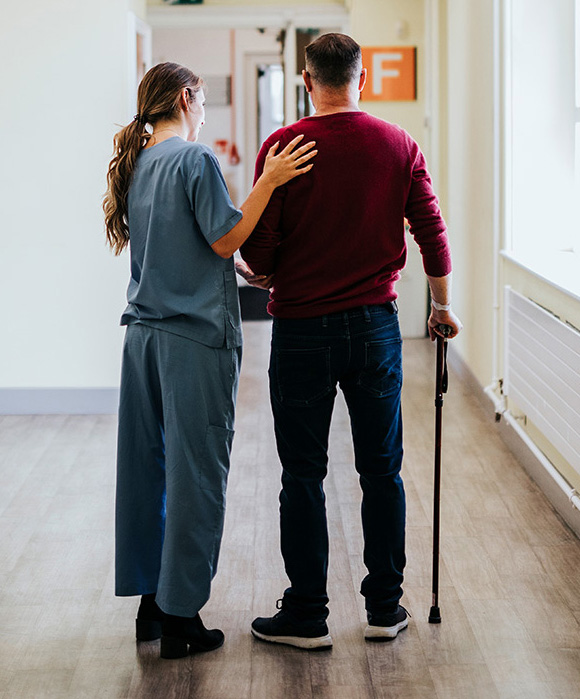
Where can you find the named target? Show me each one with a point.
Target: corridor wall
(64, 90)
(467, 167)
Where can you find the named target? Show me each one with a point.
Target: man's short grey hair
(333, 60)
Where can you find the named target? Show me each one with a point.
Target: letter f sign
(380, 71)
(391, 73)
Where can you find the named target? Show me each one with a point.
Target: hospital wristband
(440, 306)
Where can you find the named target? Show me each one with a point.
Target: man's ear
(362, 80)
(184, 99)
(307, 80)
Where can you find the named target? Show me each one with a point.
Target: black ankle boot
(183, 635)
(149, 618)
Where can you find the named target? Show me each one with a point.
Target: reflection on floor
(510, 588)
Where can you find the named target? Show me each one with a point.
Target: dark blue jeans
(360, 350)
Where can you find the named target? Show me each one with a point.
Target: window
(542, 106)
(576, 243)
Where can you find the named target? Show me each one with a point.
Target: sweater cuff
(437, 267)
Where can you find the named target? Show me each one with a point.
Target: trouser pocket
(300, 377)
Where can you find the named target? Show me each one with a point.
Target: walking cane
(441, 381)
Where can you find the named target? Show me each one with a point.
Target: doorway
(264, 113)
(270, 103)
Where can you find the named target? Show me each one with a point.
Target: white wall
(376, 23)
(468, 168)
(63, 92)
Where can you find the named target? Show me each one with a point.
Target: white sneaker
(385, 627)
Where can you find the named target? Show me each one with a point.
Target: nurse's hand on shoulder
(290, 162)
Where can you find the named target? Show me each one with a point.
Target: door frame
(137, 29)
(251, 145)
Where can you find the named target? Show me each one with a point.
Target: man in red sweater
(335, 242)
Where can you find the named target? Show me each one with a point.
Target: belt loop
(324, 321)
(366, 314)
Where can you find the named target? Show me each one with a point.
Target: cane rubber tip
(434, 616)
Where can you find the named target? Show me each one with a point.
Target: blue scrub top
(178, 206)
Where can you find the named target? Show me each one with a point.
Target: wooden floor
(510, 581)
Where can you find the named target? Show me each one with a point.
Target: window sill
(559, 269)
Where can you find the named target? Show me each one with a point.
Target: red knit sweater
(335, 237)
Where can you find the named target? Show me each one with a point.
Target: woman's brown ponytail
(157, 98)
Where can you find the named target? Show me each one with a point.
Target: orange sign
(391, 73)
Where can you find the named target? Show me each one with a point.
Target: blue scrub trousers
(176, 421)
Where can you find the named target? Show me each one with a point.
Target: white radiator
(542, 372)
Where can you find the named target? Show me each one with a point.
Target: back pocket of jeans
(302, 376)
(383, 372)
(215, 464)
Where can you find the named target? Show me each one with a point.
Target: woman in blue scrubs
(182, 351)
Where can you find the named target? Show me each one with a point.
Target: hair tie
(140, 119)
